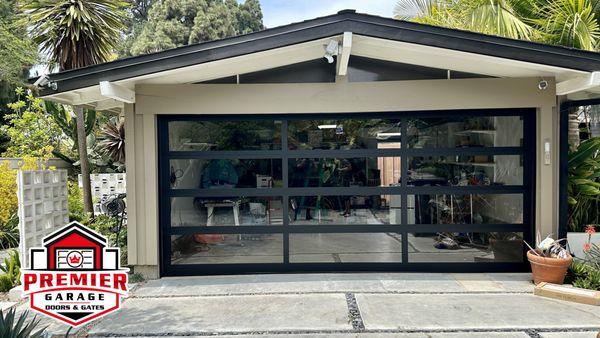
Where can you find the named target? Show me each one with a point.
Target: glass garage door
(427, 191)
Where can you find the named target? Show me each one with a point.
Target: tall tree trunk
(83, 161)
(574, 128)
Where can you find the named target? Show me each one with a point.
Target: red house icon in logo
(75, 276)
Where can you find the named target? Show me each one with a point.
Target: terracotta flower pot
(550, 270)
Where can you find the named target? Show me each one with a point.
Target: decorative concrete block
(43, 207)
(103, 186)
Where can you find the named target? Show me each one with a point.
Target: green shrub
(11, 271)
(6, 283)
(136, 278)
(19, 327)
(584, 276)
(75, 200)
(108, 226)
(9, 233)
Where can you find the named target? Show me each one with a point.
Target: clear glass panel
(224, 135)
(344, 134)
(344, 172)
(225, 174)
(345, 248)
(228, 211)
(315, 210)
(464, 132)
(462, 170)
(465, 209)
(465, 247)
(226, 248)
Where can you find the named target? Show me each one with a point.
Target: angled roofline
(323, 27)
(72, 227)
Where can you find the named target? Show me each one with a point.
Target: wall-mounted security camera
(543, 85)
(331, 49)
(44, 81)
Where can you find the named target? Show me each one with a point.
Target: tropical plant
(9, 233)
(74, 34)
(11, 271)
(572, 23)
(112, 141)
(584, 276)
(14, 326)
(584, 184)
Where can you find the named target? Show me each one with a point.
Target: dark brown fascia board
(344, 21)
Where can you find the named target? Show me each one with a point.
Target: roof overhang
(357, 34)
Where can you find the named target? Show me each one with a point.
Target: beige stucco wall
(152, 100)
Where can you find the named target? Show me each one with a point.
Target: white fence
(43, 207)
(105, 185)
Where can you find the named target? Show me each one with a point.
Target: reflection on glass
(226, 211)
(465, 247)
(344, 172)
(465, 209)
(462, 170)
(464, 132)
(225, 174)
(345, 248)
(226, 248)
(343, 134)
(315, 210)
(224, 135)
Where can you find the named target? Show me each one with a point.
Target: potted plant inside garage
(549, 261)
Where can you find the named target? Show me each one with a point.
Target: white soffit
(435, 57)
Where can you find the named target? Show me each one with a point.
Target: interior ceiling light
(331, 49)
(327, 126)
(379, 135)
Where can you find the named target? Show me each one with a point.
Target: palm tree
(571, 23)
(75, 34)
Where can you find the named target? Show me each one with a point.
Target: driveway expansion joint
(354, 313)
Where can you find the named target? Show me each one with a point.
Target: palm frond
(572, 23)
(76, 33)
(501, 17)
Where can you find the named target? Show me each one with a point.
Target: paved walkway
(347, 305)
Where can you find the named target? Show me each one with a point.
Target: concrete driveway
(347, 305)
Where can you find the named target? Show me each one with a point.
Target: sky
(281, 12)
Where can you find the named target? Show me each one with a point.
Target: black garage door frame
(527, 150)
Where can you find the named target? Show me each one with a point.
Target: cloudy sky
(281, 12)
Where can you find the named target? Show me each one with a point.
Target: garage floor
(327, 248)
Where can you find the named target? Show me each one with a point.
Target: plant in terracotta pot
(549, 261)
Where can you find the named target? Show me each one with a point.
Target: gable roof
(320, 28)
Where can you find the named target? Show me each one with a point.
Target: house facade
(345, 143)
